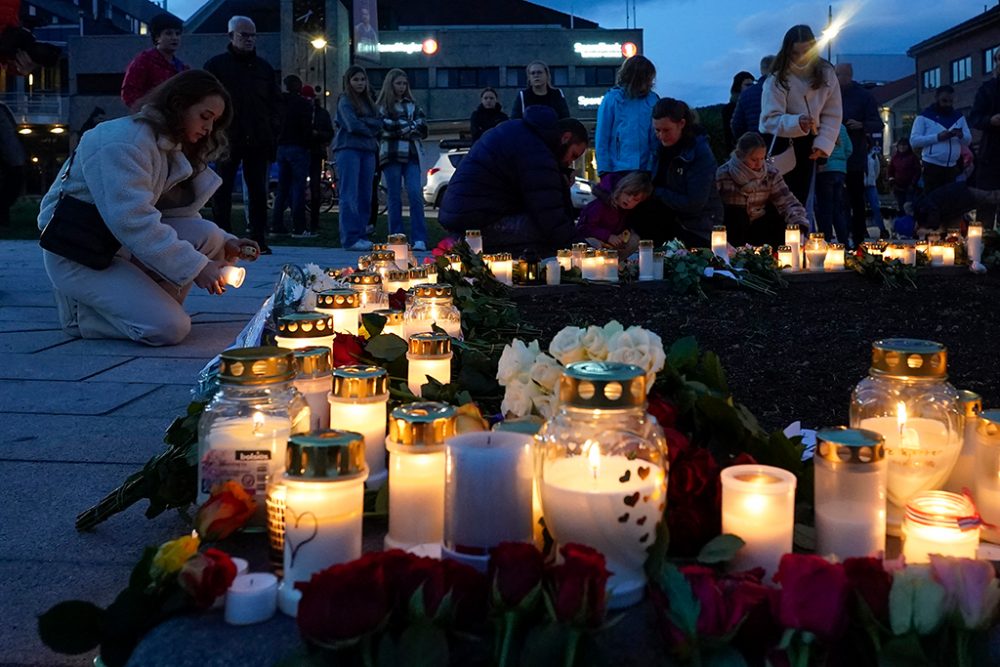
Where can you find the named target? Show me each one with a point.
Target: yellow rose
(469, 419)
(171, 556)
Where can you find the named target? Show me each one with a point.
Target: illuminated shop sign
(606, 50)
(585, 102)
(429, 47)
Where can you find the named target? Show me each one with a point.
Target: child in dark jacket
(604, 221)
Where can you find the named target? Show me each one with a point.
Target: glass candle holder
(601, 467)
(324, 503)
(235, 275)
(358, 403)
(590, 268)
(553, 272)
(611, 265)
(785, 259)
(758, 505)
(893, 251)
(308, 329)
(565, 258)
(401, 248)
(659, 257)
(368, 285)
(474, 239)
(909, 254)
(529, 270)
(244, 428)
(313, 380)
(393, 321)
(503, 268)
(834, 257)
(454, 262)
(816, 248)
(937, 253)
(973, 241)
(907, 399)
(939, 522)
(364, 262)
(948, 254)
(275, 503)
(383, 261)
(487, 498)
(850, 493)
(417, 433)
(576, 255)
(987, 471)
(793, 239)
(645, 260)
(429, 355)
(396, 280)
(432, 305)
(963, 475)
(720, 242)
(344, 306)
(417, 276)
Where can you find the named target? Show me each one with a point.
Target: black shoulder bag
(77, 231)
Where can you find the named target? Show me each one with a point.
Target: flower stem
(509, 621)
(366, 651)
(962, 648)
(571, 643)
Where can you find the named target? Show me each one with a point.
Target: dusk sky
(697, 45)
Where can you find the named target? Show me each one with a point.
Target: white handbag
(784, 161)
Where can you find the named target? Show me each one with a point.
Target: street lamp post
(320, 44)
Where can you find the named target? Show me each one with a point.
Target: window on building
(99, 84)
(516, 77)
(961, 69)
(988, 59)
(560, 76)
(932, 78)
(596, 75)
(467, 77)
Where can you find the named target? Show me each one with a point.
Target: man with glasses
(985, 117)
(253, 87)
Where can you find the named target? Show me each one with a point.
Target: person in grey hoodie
(625, 140)
(355, 147)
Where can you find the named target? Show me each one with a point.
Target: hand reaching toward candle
(211, 279)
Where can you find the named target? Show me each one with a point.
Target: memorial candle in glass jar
(474, 238)
(344, 306)
(939, 522)
(313, 379)
(645, 260)
(358, 402)
(758, 505)
(305, 329)
(429, 355)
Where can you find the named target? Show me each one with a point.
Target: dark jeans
(831, 205)
(255, 163)
(857, 204)
(769, 228)
(315, 175)
(293, 169)
(11, 180)
(902, 196)
(798, 178)
(936, 176)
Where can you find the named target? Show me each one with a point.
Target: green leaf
(720, 549)
(713, 373)
(71, 627)
(373, 323)
(423, 645)
(684, 606)
(544, 646)
(724, 656)
(386, 346)
(683, 353)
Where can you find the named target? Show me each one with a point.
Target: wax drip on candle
(258, 423)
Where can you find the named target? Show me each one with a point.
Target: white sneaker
(420, 246)
(360, 246)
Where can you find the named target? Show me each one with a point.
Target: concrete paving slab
(82, 438)
(204, 342)
(28, 313)
(161, 371)
(197, 303)
(73, 398)
(45, 366)
(199, 318)
(9, 327)
(166, 402)
(30, 341)
(37, 296)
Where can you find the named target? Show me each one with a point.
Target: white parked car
(581, 192)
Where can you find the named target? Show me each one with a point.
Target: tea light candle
(611, 265)
(936, 522)
(785, 256)
(488, 482)
(553, 272)
(298, 330)
(973, 242)
(358, 403)
(758, 505)
(429, 355)
(397, 243)
(251, 598)
(590, 265)
(720, 243)
(393, 321)
(659, 257)
(344, 306)
(324, 503)
(937, 254)
(645, 260)
(576, 255)
(503, 268)
(474, 238)
(793, 239)
(948, 254)
(417, 433)
(834, 257)
(234, 275)
(313, 382)
(565, 258)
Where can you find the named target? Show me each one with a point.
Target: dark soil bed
(797, 355)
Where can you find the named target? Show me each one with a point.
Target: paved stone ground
(78, 416)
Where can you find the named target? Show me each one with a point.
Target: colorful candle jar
(306, 329)
(358, 403)
(939, 522)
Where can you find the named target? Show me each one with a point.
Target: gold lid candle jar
(398, 245)
(417, 276)
(383, 261)
(850, 493)
(417, 433)
(565, 258)
(454, 262)
(758, 505)
(939, 522)
(645, 260)
(368, 285)
(396, 280)
(816, 252)
(393, 321)
(589, 265)
(364, 262)
(474, 239)
(576, 255)
(611, 265)
(306, 329)
(834, 257)
(429, 355)
(243, 432)
(503, 267)
(432, 304)
(785, 259)
(358, 402)
(312, 379)
(793, 239)
(324, 504)
(659, 257)
(908, 400)
(720, 242)
(601, 469)
(344, 306)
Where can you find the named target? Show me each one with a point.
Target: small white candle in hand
(234, 275)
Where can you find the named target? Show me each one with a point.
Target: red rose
(813, 595)
(226, 511)
(206, 576)
(347, 349)
(515, 575)
(578, 587)
(871, 582)
(444, 246)
(445, 590)
(677, 442)
(664, 411)
(694, 498)
(397, 301)
(469, 590)
(343, 603)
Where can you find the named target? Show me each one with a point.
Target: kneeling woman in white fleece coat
(148, 176)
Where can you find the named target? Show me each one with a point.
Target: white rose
(567, 346)
(641, 348)
(546, 371)
(308, 301)
(546, 405)
(517, 398)
(595, 344)
(611, 329)
(515, 362)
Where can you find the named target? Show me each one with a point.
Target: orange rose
(225, 512)
(469, 419)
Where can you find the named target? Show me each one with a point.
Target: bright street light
(318, 43)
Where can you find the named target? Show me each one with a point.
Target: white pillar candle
(611, 266)
(324, 504)
(590, 265)
(937, 254)
(344, 306)
(793, 239)
(659, 258)
(785, 257)
(393, 322)
(963, 475)
(417, 433)
(645, 260)
(576, 255)
(474, 238)
(565, 258)
(909, 254)
(234, 275)
(251, 598)
(313, 380)
(948, 254)
(758, 505)
(398, 244)
(602, 264)
(358, 403)
(429, 355)
(973, 242)
(503, 268)
(488, 480)
(553, 272)
(987, 470)
(720, 242)
(931, 526)
(307, 329)
(584, 500)
(834, 257)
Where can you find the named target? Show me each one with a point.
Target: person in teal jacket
(831, 193)
(625, 140)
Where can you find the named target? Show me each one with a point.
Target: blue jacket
(625, 139)
(513, 170)
(686, 184)
(746, 115)
(356, 132)
(841, 154)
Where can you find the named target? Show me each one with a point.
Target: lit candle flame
(901, 415)
(258, 423)
(594, 458)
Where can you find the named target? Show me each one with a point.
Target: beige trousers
(127, 300)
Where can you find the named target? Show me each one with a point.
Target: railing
(37, 108)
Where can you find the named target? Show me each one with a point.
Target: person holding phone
(939, 132)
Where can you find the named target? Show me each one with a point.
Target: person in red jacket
(20, 52)
(154, 66)
(904, 172)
